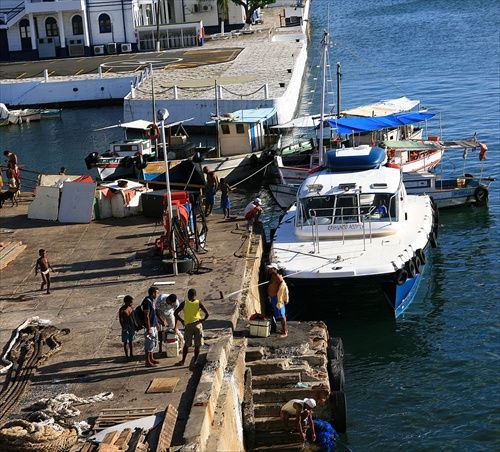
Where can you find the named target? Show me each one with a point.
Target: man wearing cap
(274, 290)
(302, 410)
(253, 211)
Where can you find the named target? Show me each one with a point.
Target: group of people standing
(252, 211)
(160, 312)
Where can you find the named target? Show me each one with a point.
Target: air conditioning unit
(126, 47)
(112, 47)
(76, 49)
(207, 8)
(99, 50)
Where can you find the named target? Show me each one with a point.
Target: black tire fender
(336, 348)
(128, 162)
(433, 239)
(421, 255)
(140, 163)
(410, 268)
(254, 161)
(481, 194)
(400, 276)
(417, 263)
(339, 411)
(93, 157)
(337, 377)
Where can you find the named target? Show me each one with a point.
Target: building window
(225, 129)
(24, 28)
(77, 25)
(104, 24)
(51, 27)
(240, 128)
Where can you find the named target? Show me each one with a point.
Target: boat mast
(217, 120)
(321, 147)
(338, 89)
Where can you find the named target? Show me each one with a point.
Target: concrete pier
(96, 264)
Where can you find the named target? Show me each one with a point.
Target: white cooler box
(260, 328)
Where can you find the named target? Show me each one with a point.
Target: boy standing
(225, 202)
(128, 333)
(43, 264)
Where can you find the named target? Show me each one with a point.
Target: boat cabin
(351, 202)
(245, 131)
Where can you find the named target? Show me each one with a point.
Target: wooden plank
(109, 417)
(103, 447)
(124, 438)
(137, 440)
(159, 385)
(111, 437)
(167, 428)
(11, 254)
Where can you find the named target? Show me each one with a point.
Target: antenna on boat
(162, 115)
(321, 147)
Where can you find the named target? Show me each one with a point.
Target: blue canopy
(358, 125)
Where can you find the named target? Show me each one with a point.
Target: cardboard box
(260, 328)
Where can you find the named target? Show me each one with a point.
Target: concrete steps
(282, 371)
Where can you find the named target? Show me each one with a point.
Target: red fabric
(128, 195)
(250, 214)
(107, 192)
(84, 178)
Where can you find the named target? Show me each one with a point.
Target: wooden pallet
(109, 417)
(9, 252)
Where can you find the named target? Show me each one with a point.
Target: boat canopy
(358, 125)
(142, 124)
(383, 108)
(250, 116)
(429, 144)
(355, 159)
(305, 122)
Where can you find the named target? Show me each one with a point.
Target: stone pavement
(96, 264)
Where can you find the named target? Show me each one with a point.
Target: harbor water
(429, 380)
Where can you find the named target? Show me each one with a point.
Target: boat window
(383, 207)
(347, 209)
(240, 128)
(320, 207)
(225, 129)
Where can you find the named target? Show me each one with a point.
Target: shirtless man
(128, 333)
(12, 163)
(43, 264)
(272, 292)
(212, 187)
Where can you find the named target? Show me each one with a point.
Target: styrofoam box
(172, 349)
(260, 328)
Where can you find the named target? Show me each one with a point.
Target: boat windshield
(346, 208)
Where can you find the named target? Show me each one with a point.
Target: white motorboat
(353, 222)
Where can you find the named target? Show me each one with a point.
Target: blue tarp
(358, 125)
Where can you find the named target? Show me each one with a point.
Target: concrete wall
(76, 90)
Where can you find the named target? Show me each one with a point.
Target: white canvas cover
(77, 201)
(383, 108)
(45, 206)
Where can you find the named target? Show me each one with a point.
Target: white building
(37, 29)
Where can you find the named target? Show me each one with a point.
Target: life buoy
(140, 163)
(481, 194)
(400, 276)
(392, 165)
(410, 268)
(152, 132)
(128, 162)
(421, 255)
(482, 151)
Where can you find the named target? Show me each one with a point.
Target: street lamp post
(162, 115)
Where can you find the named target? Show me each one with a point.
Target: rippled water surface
(430, 380)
